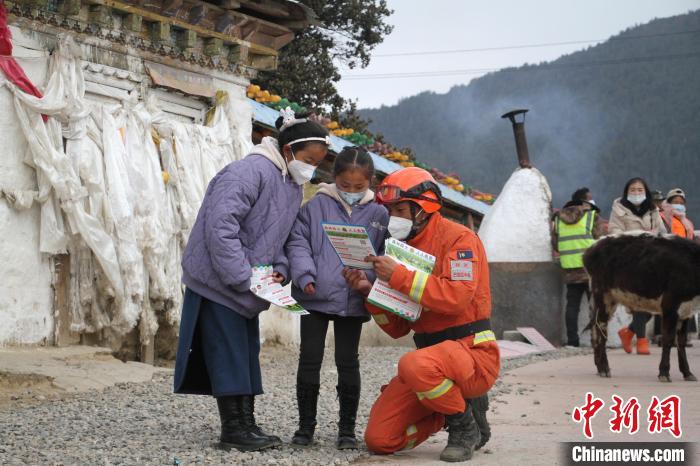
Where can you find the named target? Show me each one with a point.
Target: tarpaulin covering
(128, 180)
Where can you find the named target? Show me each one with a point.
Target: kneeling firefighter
(445, 381)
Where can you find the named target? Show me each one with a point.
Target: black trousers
(574, 294)
(347, 332)
(639, 323)
(692, 326)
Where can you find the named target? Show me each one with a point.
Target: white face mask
(399, 227)
(636, 199)
(301, 172)
(351, 198)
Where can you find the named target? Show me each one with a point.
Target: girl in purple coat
(318, 285)
(245, 218)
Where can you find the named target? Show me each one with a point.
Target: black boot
(463, 437)
(307, 398)
(248, 407)
(479, 408)
(349, 398)
(234, 431)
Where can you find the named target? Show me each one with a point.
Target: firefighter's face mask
(399, 227)
(406, 221)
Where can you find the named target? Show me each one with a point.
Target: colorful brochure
(391, 300)
(351, 243)
(265, 287)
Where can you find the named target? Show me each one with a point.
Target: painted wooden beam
(160, 32)
(229, 4)
(239, 54)
(263, 62)
(203, 32)
(214, 47)
(187, 39)
(133, 22)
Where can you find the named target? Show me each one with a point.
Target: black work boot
(463, 436)
(307, 397)
(234, 431)
(248, 408)
(479, 408)
(349, 399)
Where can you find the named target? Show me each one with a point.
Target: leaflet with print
(351, 243)
(384, 297)
(264, 287)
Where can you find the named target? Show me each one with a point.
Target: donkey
(656, 274)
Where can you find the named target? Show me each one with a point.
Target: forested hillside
(627, 107)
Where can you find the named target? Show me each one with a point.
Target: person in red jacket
(446, 380)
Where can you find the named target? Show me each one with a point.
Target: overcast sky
(438, 25)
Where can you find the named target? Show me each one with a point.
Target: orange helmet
(411, 184)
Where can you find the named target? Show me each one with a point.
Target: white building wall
(26, 296)
(26, 293)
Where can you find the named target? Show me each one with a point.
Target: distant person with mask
(673, 213)
(635, 211)
(575, 228)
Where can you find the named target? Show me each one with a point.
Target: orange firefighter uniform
(434, 381)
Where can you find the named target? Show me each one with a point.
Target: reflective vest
(574, 240)
(678, 229)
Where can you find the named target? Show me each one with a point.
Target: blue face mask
(678, 208)
(351, 198)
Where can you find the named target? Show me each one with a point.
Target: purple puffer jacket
(312, 259)
(246, 216)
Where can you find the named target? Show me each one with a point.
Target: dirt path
(69, 407)
(533, 414)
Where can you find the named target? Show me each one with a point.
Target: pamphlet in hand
(352, 244)
(384, 297)
(265, 287)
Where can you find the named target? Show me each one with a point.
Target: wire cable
(551, 66)
(526, 46)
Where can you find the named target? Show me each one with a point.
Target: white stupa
(517, 238)
(516, 228)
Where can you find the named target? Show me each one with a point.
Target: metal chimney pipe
(519, 133)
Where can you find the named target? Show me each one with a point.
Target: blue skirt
(218, 351)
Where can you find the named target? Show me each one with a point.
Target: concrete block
(527, 294)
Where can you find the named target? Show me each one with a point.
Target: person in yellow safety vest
(575, 229)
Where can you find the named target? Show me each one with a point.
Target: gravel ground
(146, 424)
